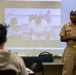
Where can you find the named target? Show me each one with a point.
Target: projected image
(33, 24)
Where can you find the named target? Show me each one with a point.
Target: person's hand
(73, 38)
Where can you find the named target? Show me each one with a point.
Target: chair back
(46, 57)
(29, 60)
(7, 72)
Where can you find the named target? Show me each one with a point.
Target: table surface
(29, 71)
(52, 63)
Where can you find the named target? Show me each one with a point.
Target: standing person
(39, 29)
(47, 17)
(9, 60)
(68, 35)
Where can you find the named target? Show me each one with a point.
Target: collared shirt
(68, 29)
(42, 29)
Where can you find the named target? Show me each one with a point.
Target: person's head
(3, 34)
(38, 18)
(73, 16)
(48, 12)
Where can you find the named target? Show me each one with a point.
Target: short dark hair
(3, 33)
(73, 11)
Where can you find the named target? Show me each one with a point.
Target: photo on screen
(22, 17)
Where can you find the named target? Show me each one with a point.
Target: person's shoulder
(16, 56)
(67, 23)
(43, 21)
(16, 59)
(32, 21)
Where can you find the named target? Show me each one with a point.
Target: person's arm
(67, 38)
(23, 67)
(64, 37)
(30, 29)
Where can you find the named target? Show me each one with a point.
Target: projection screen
(20, 13)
